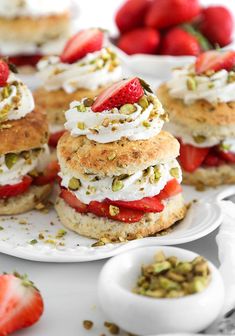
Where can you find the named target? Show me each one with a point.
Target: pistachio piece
(6, 91)
(225, 147)
(161, 266)
(105, 122)
(143, 102)
(74, 184)
(175, 276)
(184, 267)
(81, 125)
(199, 138)
(81, 108)
(4, 112)
(113, 210)
(168, 284)
(157, 174)
(231, 77)
(127, 109)
(198, 284)
(157, 293)
(201, 268)
(175, 172)
(173, 294)
(160, 256)
(146, 124)
(112, 156)
(117, 185)
(87, 324)
(173, 260)
(11, 159)
(191, 84)
(88, 102)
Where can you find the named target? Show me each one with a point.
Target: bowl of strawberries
(158, 35)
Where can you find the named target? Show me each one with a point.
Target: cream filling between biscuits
(111, 125)
(16, 100)
(186, 85)
(35, 160)
(147, 183)
(91, 72)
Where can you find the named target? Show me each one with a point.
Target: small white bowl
(148, 316)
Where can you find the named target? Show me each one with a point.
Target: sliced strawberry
(54, 138)
(227, 156)
(73, 201)
(4, 72)
(216, 23)
(123, 92)
(21, 303)
(140, 41)
(124, 215)
(215, 60)
(49, 175)
(172, 188)
(8, 190)
(131, 14)
(212, 160)
(177, 42)
(25, 60)
(167, 13)
(192, 157)
(84, 42)
(146, 204)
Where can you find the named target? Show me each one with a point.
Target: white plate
(202, 218)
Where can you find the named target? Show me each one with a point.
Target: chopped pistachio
(61, 233)
(175, 172)
(191, 84)
(117, 184)
(146, 124)
(98, 243)
(88, 102)
(157, 174)
(157, 293)
(6, 91)
(105, 122)
(199, 138)
(11, 159)
(168, 284)
(113, 210)
(231, 77)
(81, 108)
(4, 112)
(211, 85)
(127, 109)
(184, 267)
(33, 242)
(74, 184)
(160, 256)
(143, 102)
(81, 125)
(112, 156)
(161, 266)
(225, 147)
(87, 324)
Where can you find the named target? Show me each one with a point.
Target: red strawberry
(140, 41)
(217, 25)
(126, 91)
(178, 42)
(21, 304)
(131, 14)
(166, 13)
(215, 61)
(191, 157)
(84, 42)
(4, 72)
(212, 160)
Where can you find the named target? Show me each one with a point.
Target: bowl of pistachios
(155, 290)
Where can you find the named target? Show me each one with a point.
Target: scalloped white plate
(17, 232)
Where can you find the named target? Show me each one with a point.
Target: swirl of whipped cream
(187, 85)
(25, 162)
(112, 125)
(147, 183)
(91, 72)
(16, 100)
(32, 8)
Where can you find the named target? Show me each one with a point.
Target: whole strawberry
(217, 25)
(21, 304)
(140, 41)
(4, 72)
(167, 13)
(178, 42)
(131, 14)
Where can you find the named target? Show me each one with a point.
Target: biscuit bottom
(26, 201)
(211, 176)
(95, 227)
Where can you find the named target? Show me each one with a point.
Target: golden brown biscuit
(211, 176)
(95, 227)
(25, 202)
(57, 102)
(78, 155)
(200, 117)
(40, 30)
(24, 134)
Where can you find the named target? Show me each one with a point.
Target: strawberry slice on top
(126, 91)
(4, 72)
(79, 45)
(214, 61)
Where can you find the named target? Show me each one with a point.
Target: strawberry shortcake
(25, 171)
(83, 69)
(200, 99)
(119, 175)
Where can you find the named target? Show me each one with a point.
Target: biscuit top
(32, 8)
(16, 100)
(214, 87)
(95, 70)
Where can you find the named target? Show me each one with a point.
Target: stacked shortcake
(25, 177)
(85, 67)
(119, 175)
(200, 99)
(30, 29)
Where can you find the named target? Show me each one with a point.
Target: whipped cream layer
(13, 167)
(33, 8)
(91, 72)
(112, 125)
(16, 100)
(215, 87)
(147, 183)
